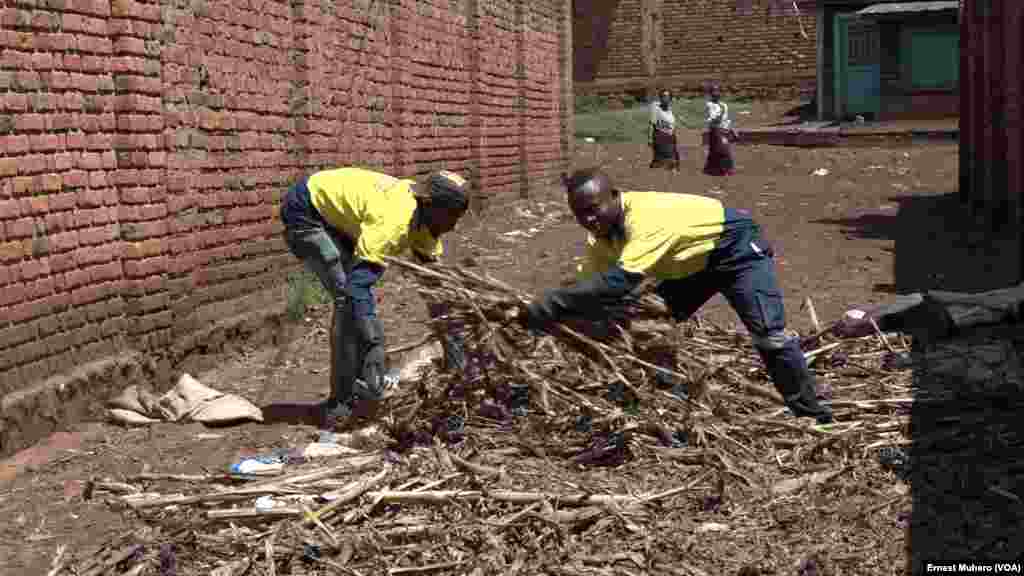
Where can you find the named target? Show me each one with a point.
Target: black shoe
(804, 409)
(825, 417)
(807, 404)
(334, 412)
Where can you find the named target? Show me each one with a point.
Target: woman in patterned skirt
(664, 146)
(720, 161)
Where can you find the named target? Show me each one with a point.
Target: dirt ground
(865, 230)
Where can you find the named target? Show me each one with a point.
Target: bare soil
(873, 226)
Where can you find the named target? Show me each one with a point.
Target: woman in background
(720, 161)
(664, 145)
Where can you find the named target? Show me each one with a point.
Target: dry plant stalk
(463, 473)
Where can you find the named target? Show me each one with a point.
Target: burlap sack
(138, 400)
(128, 400)
(189, 400)
(150, 402)
(226, 409)
(129, 417)
(185, 397)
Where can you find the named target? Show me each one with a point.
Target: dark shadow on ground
(807, 112)
(965, 466)
(292, 413)
(937, 246)
(966, 463)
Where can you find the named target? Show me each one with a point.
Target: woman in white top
(664, 145)
(719, 162)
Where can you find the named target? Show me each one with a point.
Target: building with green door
(887, 60)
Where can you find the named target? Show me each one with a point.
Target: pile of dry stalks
(641, 447)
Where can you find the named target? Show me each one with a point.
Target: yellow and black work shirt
(374, 209)
(666, 236)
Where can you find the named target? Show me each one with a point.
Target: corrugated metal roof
(909, 7)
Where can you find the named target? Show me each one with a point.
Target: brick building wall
(751, 47)
(145, 145)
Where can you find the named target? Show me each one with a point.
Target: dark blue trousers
(330, 255)
(327, 254)
(742, 269)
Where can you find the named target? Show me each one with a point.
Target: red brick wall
(752, 48)
(144, 146)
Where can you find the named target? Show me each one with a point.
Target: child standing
(720, 161)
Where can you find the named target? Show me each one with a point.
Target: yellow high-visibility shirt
(667, 236)
(373, 209)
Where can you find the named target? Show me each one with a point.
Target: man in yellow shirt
(341, 223)
(694, 247)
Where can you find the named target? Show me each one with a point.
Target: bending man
(695, 248)
(341, 223)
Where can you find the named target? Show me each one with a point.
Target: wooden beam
(651, 39)
(820, 69)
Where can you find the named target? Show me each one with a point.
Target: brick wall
(145, 145)
(752, 47)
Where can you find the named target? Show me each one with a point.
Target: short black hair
(580, 177)
(447, 190)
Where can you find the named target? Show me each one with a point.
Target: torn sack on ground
(936, 315)
(188, 401)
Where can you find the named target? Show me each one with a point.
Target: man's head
(593, 200)
(444, 198)
(665, 98)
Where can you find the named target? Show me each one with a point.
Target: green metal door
(857, 66)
